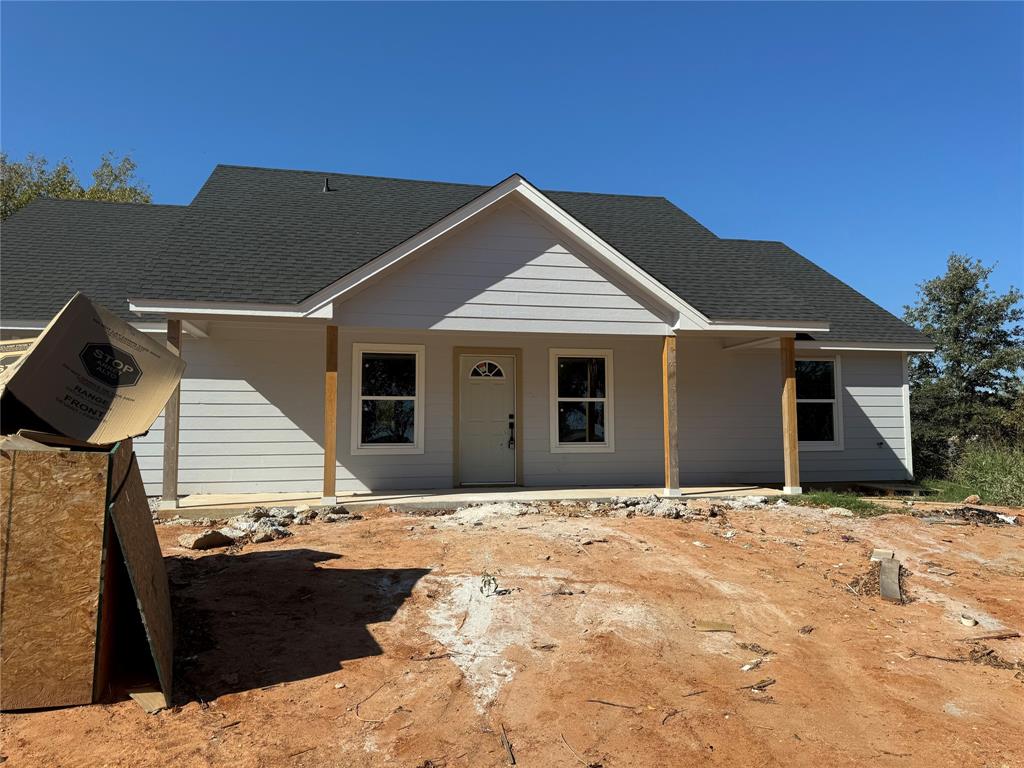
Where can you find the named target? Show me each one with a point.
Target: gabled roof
(259, 235)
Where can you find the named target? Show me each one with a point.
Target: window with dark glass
(816, 401)
(387, 394)
(581, 399)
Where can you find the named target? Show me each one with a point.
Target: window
(581, 401)
(387, 398)
(487, 369)
(818, 405)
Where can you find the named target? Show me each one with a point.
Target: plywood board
(53, 506)
(133, 523)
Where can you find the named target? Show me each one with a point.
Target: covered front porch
(280, 412)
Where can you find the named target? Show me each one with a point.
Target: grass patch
(947, 490)
(857, 505)
(997, 471)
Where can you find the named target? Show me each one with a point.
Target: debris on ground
(714, 626)
(1005, 635)
(968, 515)
(202, 540)
(755, 648)
(889, 580)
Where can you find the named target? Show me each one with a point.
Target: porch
(265, 407)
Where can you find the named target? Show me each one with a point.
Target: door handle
(511, 430)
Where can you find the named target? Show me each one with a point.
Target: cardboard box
(88, 376)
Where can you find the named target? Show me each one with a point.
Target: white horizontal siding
(252, 420)
(730, 423)
(504, 272)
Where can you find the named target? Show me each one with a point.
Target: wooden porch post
(172, 418)
(330, 413)
(670, 413)
(790, 446)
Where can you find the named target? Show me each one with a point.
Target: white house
(349, 333)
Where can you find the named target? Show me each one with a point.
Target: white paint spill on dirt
(476, 629)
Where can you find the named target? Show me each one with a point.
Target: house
(349, 333)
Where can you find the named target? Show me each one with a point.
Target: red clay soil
(419, 641)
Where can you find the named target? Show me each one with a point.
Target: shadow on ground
(256, 619)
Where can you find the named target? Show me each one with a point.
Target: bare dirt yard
(569, 637)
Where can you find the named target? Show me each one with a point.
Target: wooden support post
(670, 412)
(330, 413)
(790, 445)
(172, 418)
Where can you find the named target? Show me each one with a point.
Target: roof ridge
(431, 181)
(48, 199)
(752, 240)
(350, 175)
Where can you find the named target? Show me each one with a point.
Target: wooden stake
(330, 412)
(790, 446)
(172, 419)
(670, 412)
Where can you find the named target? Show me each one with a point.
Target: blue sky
(874, 138)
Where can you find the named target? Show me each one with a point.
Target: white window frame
(608, 446)
(419, 413)
(837, 406)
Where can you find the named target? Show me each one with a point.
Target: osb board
(137, 535)
(53, 506)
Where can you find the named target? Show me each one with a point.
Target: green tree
(970, 389)
(113, 180)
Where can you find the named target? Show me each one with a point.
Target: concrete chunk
(204, 540)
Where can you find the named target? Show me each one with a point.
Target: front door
(487, 419)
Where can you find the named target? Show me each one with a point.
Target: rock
(282, 513)
(839, 512)
(202, 522)
(672, 510)
(300, 509)
(176, 520)
(261, 537)
(204, 540)
(702, 506)
(258, 512)
(747, 502)
(334, 517)
(233, 533)
(973, 499)
(303, 518)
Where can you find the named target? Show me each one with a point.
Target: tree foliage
(113, 180)
(970, 389)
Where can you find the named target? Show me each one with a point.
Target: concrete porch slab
(214, 504)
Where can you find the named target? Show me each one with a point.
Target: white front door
(487, 419)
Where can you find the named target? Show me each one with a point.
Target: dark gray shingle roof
(52, 248)
(266, 235)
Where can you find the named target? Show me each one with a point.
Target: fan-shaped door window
(487, 369)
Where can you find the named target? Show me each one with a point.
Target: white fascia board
(178, 307)
(774, 326)
(866, 346)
